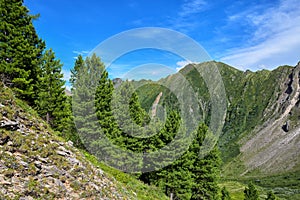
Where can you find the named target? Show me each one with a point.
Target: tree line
(35, 75)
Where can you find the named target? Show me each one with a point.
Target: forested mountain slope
(261, 130)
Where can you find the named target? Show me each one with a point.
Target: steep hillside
(277, 141)
(261, 132)
(36, 164)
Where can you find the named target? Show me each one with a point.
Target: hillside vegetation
(37, 164)
(260, 139)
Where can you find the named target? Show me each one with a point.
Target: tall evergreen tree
(251, 192)
(51, 100)
(137, 113)
(20, 48)
(103, 98)
(86, 77)
(79, 63)
(206, 170)
(175, 179)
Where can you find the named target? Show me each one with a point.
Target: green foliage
(85, 81)
(206, 170)
(285, 186)
(79, 63)
(271, 196)
(51, 100)
(251, 192)
(225, 194)
(143, 191)
(190, 176)
(235, 189)
(20, 49)
(248, 96)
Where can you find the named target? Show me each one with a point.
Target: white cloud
(186, 19)
(275, 40)
(67, 74)
(81, 52)
(182, 64)
(192, 7)
(152, 71)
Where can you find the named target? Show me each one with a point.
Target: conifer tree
(129, 116)
(137, 113)
(251, 192)
(20, 49)
(79, 63)
(86, 77)
(206, 170)
(103, 98)
(176, 178)
(51, 100)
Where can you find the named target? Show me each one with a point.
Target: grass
(143, 191)
(32, 145)
(235, 189)
(285, 186)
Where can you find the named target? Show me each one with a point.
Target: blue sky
(258, 34)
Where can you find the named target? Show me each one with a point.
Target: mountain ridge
(253, 101)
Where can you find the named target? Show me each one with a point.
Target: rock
(286, 126)
(73, 161)
(9, 143)
(100, 172)
(25, 164)
(70, 143)
(26, 198)
(59, 184)
(38, 164)
(44, 160)
(52, 170)
(62, 153)
(2, 166)
(4, 182)
(9, 125)
(4, 113)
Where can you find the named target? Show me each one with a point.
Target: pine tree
(137, 113)
(86, 77)
(79, 63)
(175, 178)
(271, 196)
(20, 49)
(51, 100)
(129, 116)
(206, 170)
(251, 192)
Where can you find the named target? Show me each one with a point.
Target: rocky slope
(277, 141)
(36, 164)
